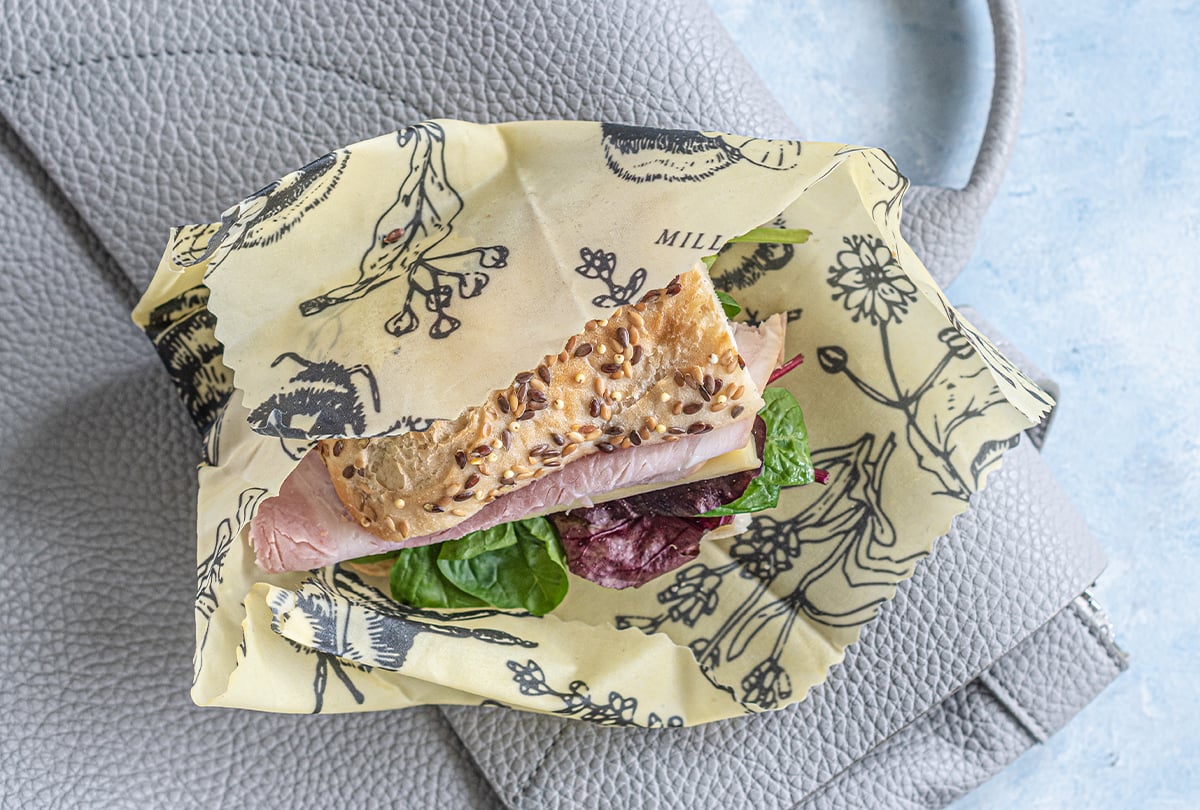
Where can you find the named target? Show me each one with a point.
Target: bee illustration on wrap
(753, 262)
(268, 214)
(319, 400)
(644, 154)
(334, 598)
(182, 332)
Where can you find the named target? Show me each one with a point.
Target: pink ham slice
(306, 526)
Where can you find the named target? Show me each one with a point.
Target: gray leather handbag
(120, 119)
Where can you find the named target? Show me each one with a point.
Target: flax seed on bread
(649, 372)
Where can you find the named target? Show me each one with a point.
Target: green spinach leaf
(417, 581)
(480, 542)
(730, 306)
(517, 565)
(769, 236)
(774, 236)
(529, 573)
(786, 458)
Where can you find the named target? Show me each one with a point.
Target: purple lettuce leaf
(628, 542)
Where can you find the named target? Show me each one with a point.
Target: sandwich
(651, 431)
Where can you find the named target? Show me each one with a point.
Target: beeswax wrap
(398, 280)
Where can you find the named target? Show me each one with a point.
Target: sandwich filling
(308, 526)
(646, 398)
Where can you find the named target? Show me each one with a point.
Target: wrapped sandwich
(651, 411)
(478, 427)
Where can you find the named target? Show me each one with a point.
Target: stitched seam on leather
(537, 768)
(470, 753)
(933, 706)
(1111, 650)
(824, 786)
(828, 784)
(884, 743)
(1008, 699)
(109, 268)
(158, 54)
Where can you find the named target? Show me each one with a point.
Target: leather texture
(1025, 696)
(122, 118)
(942, 224)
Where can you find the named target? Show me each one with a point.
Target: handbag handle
(943, 223)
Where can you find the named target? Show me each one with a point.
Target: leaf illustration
(597, 264)
(406, 234)
(990, 454)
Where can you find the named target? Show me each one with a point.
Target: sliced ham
(306, 526)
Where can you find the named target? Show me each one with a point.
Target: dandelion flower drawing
(869, 281)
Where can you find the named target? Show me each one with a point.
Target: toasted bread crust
(649, 372)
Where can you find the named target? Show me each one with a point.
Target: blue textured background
(1088, 263)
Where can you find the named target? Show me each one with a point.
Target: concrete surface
(1088, 262)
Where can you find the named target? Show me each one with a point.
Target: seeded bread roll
(651, 372)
